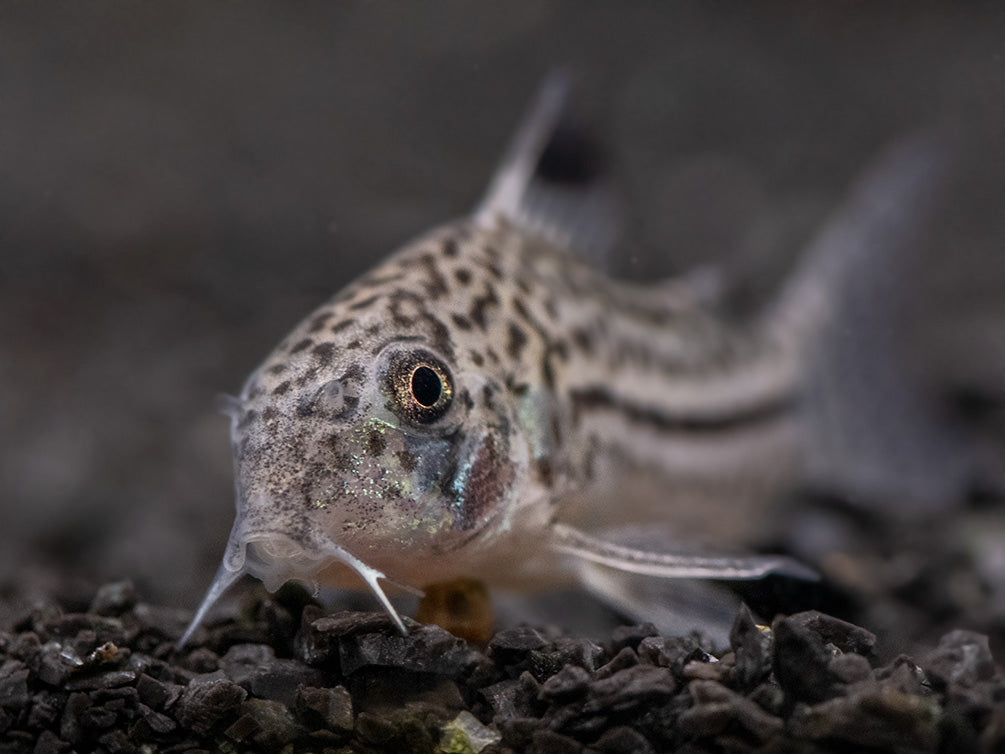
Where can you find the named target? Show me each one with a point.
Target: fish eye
(420, 386)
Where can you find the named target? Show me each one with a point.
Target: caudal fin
(873, 431)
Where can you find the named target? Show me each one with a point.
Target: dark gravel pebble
(109, 680)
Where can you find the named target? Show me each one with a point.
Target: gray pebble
(14, 684)
(716, 707)
(256, 668)
(114, 598)
(265, 723)
(801, 661)
(630, 688)
(514, 697)
(630, 636)
(751, 649)
(427, 649)
(622, 740)
(626, 658)
(208, 699)
(157, 722)
(962, 657)
(329, 708)
(570, 682)
(156, 694)
(513, 644)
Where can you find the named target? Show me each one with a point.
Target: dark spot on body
(407, 460)
(519, 389)
(354, 373)
(352, 345)
(375, 442)
(521, 308)
(493, 356)
(461, 321)
(396, 299)
(440, 336)
(302, 345)
(551, 306)
(364, 303)
(488, 397)
(371, 330)
(492, 267)
(306, 377)
(282, 388)
(547, 372)
(544, 471)
(516, 342)
(523, 285)
(462, 275)
(319, 321)
(583, 340)
(324, 352)
(269, 413)
(277, 369)
(450, 247)
(481, 303)
(477, 359)
(435, 285)
(338, 458)
(556, 431)
(341, 325)
(305, 408)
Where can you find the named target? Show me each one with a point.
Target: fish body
(486, 404)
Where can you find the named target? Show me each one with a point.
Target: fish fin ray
(616, 551)
(551, 181)
(873, 431)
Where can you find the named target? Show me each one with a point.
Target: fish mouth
(275, 558)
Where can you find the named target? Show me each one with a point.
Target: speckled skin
(483, 403)
(542, 351)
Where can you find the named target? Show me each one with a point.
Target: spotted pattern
(542, 352)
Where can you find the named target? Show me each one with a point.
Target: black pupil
(426, 386)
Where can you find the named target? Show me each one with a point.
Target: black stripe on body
(595, 397)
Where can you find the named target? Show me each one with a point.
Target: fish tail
(874, 433)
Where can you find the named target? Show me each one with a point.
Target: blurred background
(181, 182)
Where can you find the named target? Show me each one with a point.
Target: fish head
(370, 436)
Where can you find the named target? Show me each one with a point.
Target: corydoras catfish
(486, 404)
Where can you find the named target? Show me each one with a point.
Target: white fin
(222, 581)
(675, 607)
(550, 181)
(618, 550)
(372, 578)
(873, 432)
(228, 405)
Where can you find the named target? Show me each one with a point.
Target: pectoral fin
(613, 567)
(642, 552)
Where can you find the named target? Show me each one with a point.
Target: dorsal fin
(551, 180)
